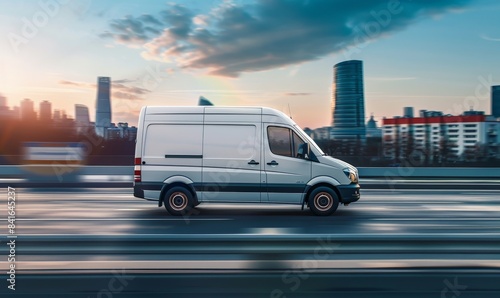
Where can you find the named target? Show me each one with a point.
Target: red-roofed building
(443, 138)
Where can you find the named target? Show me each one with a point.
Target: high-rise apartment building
(45, 111)
(27, 109)
(82, 119)
(443, 137)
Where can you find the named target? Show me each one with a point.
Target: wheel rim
(178, 201)
(323, 201)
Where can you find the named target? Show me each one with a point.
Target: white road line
(479, 219)
(246, 264)
(121, 219)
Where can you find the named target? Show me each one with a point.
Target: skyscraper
(82, 118)
(27, 109)
(45, 111)
(3, 101)
(495, 101)
(57, 115)
(348, 101)
(103, 106)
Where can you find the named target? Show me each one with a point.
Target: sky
(428, 54)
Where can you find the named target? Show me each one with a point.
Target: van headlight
(352, 175)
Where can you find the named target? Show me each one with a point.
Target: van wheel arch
(167, 187)
(312, 188)
(323, 200)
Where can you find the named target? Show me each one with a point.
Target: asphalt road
(391, 243)
(118, 212)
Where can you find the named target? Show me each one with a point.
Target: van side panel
(231, 162)
(171, 149)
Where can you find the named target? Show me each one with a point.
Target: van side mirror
(303, 151)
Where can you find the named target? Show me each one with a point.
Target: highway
(412, 242)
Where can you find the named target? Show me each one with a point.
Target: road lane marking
(255, 264)
(120, 219)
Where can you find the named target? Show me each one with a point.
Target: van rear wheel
(323, 201)
(178, 201)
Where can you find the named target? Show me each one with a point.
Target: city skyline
(434, 56)
(45, 107)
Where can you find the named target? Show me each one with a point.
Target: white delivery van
(185, 156)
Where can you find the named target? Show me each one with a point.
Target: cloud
(123, 81)
(77, 84)
(129, 89)
(233, 39)
(133, 31)
(119, 89)
(391, 78)
(297, 94)
(486, 37)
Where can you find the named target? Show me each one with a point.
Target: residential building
(45, 111)
(27, 109)
(441, 137)
(82, 118)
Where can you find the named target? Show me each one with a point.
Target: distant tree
(480, 152)
(446, 150)
(374, 148)
(408, 147)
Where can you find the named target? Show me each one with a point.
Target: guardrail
(371, 178)
(410, 172)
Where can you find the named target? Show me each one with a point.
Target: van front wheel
(323, 201)
(178, 201)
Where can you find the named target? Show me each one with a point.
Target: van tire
(323, 201)
(178, 201)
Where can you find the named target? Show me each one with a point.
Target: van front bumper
(349, 193)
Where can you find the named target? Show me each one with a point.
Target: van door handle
(253, 162)
(273, 163)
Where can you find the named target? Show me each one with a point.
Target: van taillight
(137, 169)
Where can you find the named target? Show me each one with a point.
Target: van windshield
(309, 140)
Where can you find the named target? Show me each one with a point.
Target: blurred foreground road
(392, 243)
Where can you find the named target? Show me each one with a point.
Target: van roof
(151, 110)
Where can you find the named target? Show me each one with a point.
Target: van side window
(283, 141)
(279, 140)
(297, 141)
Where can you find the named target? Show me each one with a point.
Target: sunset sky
(429, 54)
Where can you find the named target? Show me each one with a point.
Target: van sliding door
(231, 162)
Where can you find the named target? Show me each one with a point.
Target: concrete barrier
(400, 172)
(404, 172)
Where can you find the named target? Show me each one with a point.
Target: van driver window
(279, 140)
(297, 141)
